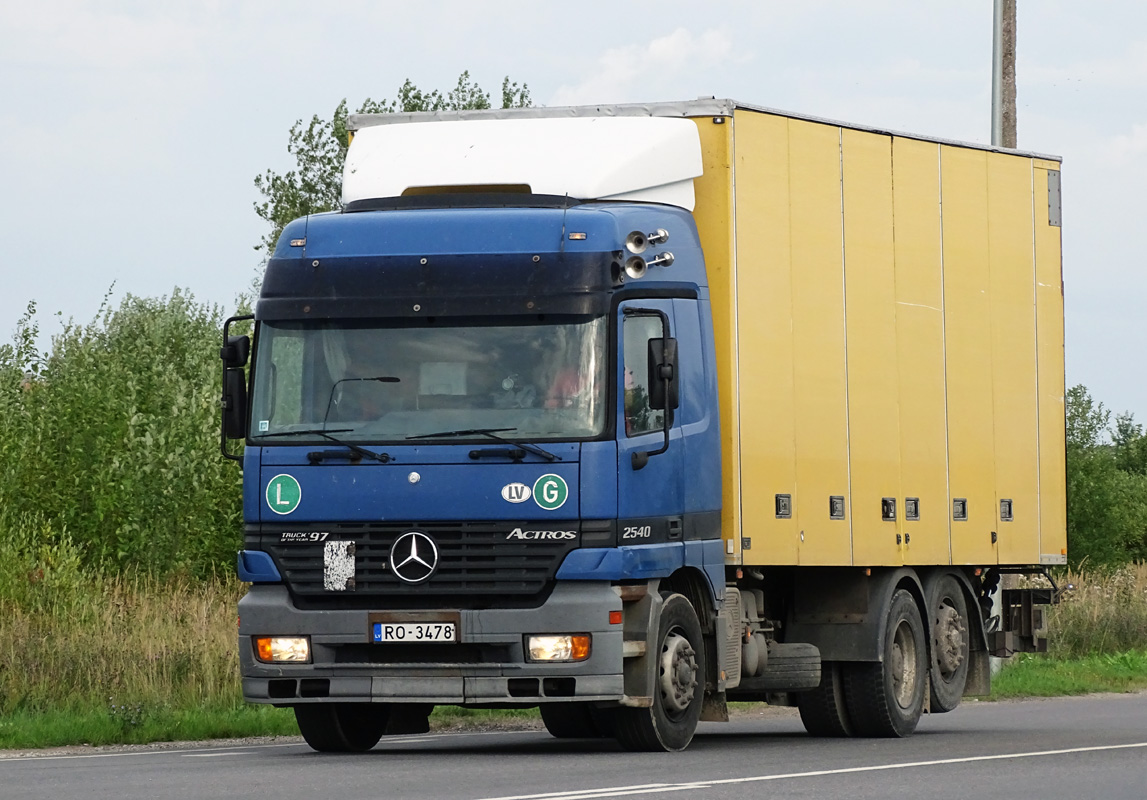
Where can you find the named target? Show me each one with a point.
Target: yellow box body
(888, 317)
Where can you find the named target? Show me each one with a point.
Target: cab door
(650, 495)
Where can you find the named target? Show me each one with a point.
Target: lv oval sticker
(515, 493)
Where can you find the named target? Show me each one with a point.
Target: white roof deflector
(646, 159)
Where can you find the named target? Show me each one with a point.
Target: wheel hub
(678, 672)
(902, 665)
(950, 640)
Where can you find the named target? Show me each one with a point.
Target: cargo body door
(650, 495)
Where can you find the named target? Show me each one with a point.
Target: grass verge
(1043, 676)
(27, 729)
(86, 658)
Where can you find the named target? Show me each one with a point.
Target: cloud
(620, 70)
(1127, 148)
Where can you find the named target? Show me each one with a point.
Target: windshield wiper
(492, 433)
(383, 458)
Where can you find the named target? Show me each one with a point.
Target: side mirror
(663, 367)
(236, 352)
(234, 403)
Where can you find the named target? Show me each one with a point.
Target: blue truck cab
(481, 448)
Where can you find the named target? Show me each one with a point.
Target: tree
(320, 146)
(1106, 492)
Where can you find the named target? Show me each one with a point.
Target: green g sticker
(550, 492)
(283, 494)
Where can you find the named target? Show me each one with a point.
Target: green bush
(112, 436)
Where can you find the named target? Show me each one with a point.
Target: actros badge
(413, 557)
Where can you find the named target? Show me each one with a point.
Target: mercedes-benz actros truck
(627, 412)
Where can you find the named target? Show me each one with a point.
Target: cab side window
(639, 417)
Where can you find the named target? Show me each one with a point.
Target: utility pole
(1003, 135)
(1004, 74)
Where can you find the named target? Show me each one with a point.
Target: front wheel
(341, 727)
(670, 722)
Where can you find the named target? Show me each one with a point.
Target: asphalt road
(1077, 748)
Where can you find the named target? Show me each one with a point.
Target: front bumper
(486, 667)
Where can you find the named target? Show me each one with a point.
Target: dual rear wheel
(886, 698)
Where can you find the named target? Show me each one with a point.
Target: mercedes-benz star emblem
(413, 557)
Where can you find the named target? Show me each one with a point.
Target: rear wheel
(950, 640)
(887, 698)
(670, 722)
(341, 727)
(823, 709)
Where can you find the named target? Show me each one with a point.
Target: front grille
(478, 566)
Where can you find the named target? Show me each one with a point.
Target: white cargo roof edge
(686, 108)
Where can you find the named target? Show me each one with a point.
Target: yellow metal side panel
(820, 410)
(1049, 324)
(870, 321)
(968, 343)
(714, 216)
(764, 335)
(1014, 355)
(920, 349)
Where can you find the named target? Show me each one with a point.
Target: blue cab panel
(255, 566)
(643, 562)
(404, 490)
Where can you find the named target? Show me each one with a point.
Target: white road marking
(650, 788)
(216, 755)
(6, 759)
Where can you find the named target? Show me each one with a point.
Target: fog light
(274, 649)
(573, 647)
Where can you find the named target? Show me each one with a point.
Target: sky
(131, 132)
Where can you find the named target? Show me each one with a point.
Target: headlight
(571, 647)
(275, 649)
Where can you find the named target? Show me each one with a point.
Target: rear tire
(823, 709)
(886, 699)
(950, 643)
(670, 722)
(341, 727)
(574, 721)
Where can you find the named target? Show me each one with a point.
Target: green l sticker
(550, 492)
(283, 494)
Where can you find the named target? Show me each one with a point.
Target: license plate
(415, 632)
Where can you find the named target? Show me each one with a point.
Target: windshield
(376, 382)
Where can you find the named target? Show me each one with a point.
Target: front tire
(886, 698)
(670, 722)
(341, 727)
